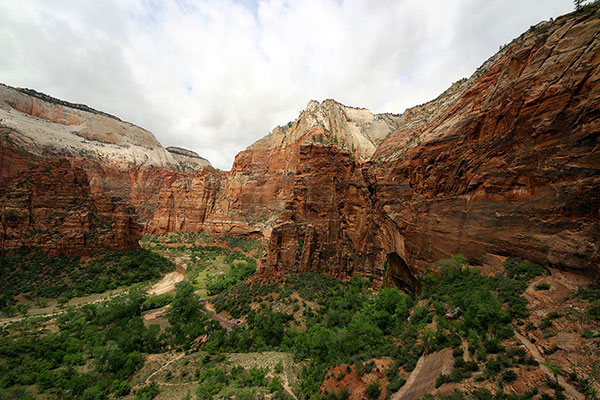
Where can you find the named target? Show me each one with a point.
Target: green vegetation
(239, 273)
(94, 351)
(37, 275)
(542, 286)
(104, 340)
(592, 295)
(153, 302)
(187, 320)
(347, 322)
(247, 245)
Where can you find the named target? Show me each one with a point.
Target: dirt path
(466, 354)
(570, 391)
(167, 284)
(422, 379)
(288, 389)
(165, 365)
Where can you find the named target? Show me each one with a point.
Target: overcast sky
(215, 76)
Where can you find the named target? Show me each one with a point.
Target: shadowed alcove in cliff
(398, 274)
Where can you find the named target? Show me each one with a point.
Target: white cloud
(214, 76)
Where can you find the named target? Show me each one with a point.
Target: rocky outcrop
(51, 207)
(325, 224)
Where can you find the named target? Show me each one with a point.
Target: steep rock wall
(51, 207)
(511, 167)
(505, 162)
(326, 225)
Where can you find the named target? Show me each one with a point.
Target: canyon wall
(249, 199)
(50, 206)
(504, 162)
(97, 167)
(511, 166)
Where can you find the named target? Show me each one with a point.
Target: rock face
(51, 207)
(119, 159)
(248, 199)
(50, 127)
(324, 224)
(505, 163)
(511, 166)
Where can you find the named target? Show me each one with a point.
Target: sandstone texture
(51, 207)
(120, 160)
(510, 166)
(505, 162)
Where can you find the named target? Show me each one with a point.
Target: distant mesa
(188, 158)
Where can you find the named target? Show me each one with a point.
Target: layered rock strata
(505, 162)
(51, 207)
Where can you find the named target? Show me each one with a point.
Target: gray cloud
(214, 76)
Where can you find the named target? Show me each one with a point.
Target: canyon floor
(551, 349)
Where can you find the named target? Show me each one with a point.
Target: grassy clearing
(199, 276)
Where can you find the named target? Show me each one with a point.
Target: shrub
(373, 390)
(147, 392)
(542, 286)
(275, 385)
(509, 376)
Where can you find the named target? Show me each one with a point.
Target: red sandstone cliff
(505, 162)
(51, 207)
(120, 160)
(511, 166)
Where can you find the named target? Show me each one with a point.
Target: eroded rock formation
(504, 162)
(51, 207)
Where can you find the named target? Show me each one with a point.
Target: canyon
(502, 163)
